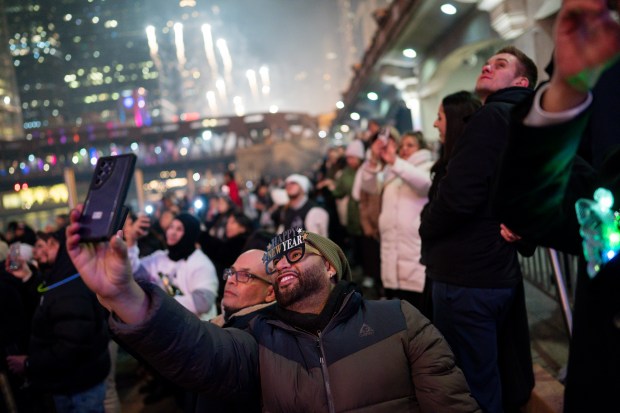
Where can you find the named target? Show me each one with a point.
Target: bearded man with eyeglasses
(321, 348)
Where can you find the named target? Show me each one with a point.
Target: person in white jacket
(182, 270)
(400, 170)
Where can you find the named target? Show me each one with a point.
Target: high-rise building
(131, 63)
(10, 111)
(82, 62)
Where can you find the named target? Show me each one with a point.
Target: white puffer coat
(405, 187)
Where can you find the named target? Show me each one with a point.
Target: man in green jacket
(322, 347)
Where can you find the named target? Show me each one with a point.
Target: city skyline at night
(142, 62)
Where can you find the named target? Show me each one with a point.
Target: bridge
(198, 150)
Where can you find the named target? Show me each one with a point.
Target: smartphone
(384, 135)
(14, 253)
(121, 219)
(104, 210)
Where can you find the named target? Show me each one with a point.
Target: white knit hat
(301, 180)
(355, 149)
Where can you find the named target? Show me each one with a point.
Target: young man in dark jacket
(321, 348)
(570, 140)
(477, 284)
(68, 351)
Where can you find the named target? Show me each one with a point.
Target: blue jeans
(469, 319)
(87, 401)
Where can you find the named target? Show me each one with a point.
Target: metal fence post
(559, 280)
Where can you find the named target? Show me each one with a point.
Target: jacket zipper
(319, 345)
(328, 390)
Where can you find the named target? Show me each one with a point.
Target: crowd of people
(256, 304)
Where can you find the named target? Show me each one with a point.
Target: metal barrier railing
(553, 273)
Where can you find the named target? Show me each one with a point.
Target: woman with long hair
(452, 115)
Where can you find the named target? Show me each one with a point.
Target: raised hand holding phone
(104, 211)
(16, 265)
(136, 229)
(14, 255)
(106, 270)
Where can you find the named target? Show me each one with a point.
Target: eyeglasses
(241, 276)
(292, 256)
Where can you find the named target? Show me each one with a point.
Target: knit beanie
(332, 253)
(187, 244)
(290, 238)
(355, 149)
(301, 180)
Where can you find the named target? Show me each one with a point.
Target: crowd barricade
(555, 274)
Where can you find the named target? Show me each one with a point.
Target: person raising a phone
(68, 347)
(182, 270)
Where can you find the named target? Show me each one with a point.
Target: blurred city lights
(222, 47)
(448, 9)
(238, 104)
(372, 96)
(410, 53)
(209, 50)
(179, 43)
(152, 40)
(220, 85)
(251, 75)
(211, 102)
(340, 104)
(264, 78)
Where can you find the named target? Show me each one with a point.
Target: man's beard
(311, 282)
(294, 196)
